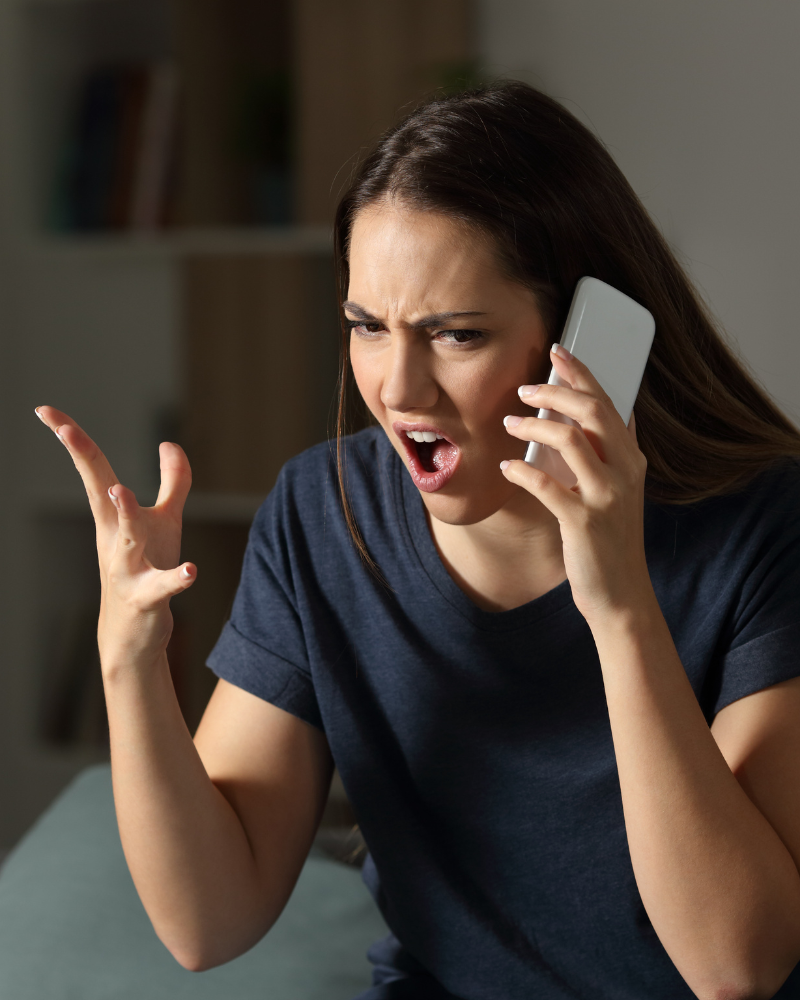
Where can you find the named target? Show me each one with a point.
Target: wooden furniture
(218, 329)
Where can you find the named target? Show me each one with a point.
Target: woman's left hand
(601, 517)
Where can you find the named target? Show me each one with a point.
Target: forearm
(185, 846)
(720, 888)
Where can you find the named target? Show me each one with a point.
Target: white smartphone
(612, 335)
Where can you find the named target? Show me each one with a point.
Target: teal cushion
(72, 926)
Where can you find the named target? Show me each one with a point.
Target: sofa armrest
(72, 925)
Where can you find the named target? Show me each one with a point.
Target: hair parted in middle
(518, 168)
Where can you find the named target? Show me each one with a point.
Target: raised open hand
(138, 547)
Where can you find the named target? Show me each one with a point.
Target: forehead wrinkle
(410, 265)
(432, 319)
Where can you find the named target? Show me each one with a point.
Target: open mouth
(432, 458)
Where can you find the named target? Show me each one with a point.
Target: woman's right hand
(138, 548)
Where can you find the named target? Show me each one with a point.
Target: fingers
(129, 565)
(583, 400)
(91, 463)
(169, 583)
(567, 439)
(557, 498)
(576, 373)
(176, 476)
(131, 532)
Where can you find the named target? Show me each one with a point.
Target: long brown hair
(518, 167)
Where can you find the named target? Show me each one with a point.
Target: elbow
(197, 958)
(192, 961)
(195, 955)
(201, 960)
(201, 953)
(758, 986)
(736, 991)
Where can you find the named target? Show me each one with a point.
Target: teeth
(424, 436)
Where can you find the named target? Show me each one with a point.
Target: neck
(506, 560)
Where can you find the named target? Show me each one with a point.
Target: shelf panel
(183, 243)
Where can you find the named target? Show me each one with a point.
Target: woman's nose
(408, 382)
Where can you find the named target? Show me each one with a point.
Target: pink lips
(444, 456)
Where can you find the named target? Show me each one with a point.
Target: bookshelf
(180, 243)
(173, 326)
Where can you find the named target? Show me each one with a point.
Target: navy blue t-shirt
(475, 746)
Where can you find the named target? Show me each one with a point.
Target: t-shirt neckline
(412, 514)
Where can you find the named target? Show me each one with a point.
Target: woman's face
(440, 342)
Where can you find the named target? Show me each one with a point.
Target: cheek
(480, 392)
(367, 375)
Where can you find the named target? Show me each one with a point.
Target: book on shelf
(117, 163)
(257, 116)
(153, 154)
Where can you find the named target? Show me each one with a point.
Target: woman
(515, 680)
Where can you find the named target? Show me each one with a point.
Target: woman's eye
(365, 329)
(459, 336)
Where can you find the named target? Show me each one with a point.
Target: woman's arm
(214, 835)
(719, 885)
(215, 832)
(721, 889)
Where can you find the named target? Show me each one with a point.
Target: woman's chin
(455, 504)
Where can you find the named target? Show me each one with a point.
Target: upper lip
(399, 426)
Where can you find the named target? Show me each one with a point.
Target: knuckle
(544, 395)
(610, 497)
(95, 498)
(596, 409)
(572, 437)
(537, 480)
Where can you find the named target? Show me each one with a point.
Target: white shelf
(182, 243)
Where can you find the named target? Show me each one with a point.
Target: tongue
(434, 455)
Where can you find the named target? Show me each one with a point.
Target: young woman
(568, 720)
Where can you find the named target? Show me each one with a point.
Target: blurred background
(168, 175)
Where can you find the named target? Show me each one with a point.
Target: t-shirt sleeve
(262, 649)
(764, 648)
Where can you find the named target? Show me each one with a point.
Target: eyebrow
(433, 320)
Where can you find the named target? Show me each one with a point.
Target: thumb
(170, 582)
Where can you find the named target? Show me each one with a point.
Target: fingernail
(512, 421)
(186, 573)
(526, 391)
(36, 411)
(562, 352)
(60, 438)
(112, 498)
(504, 465)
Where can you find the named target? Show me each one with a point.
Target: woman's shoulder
(362, 456)
(307, 493)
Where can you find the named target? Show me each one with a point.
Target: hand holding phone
(612, 335)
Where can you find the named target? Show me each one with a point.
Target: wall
(697, 101)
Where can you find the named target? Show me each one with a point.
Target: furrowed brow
(436, 319)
